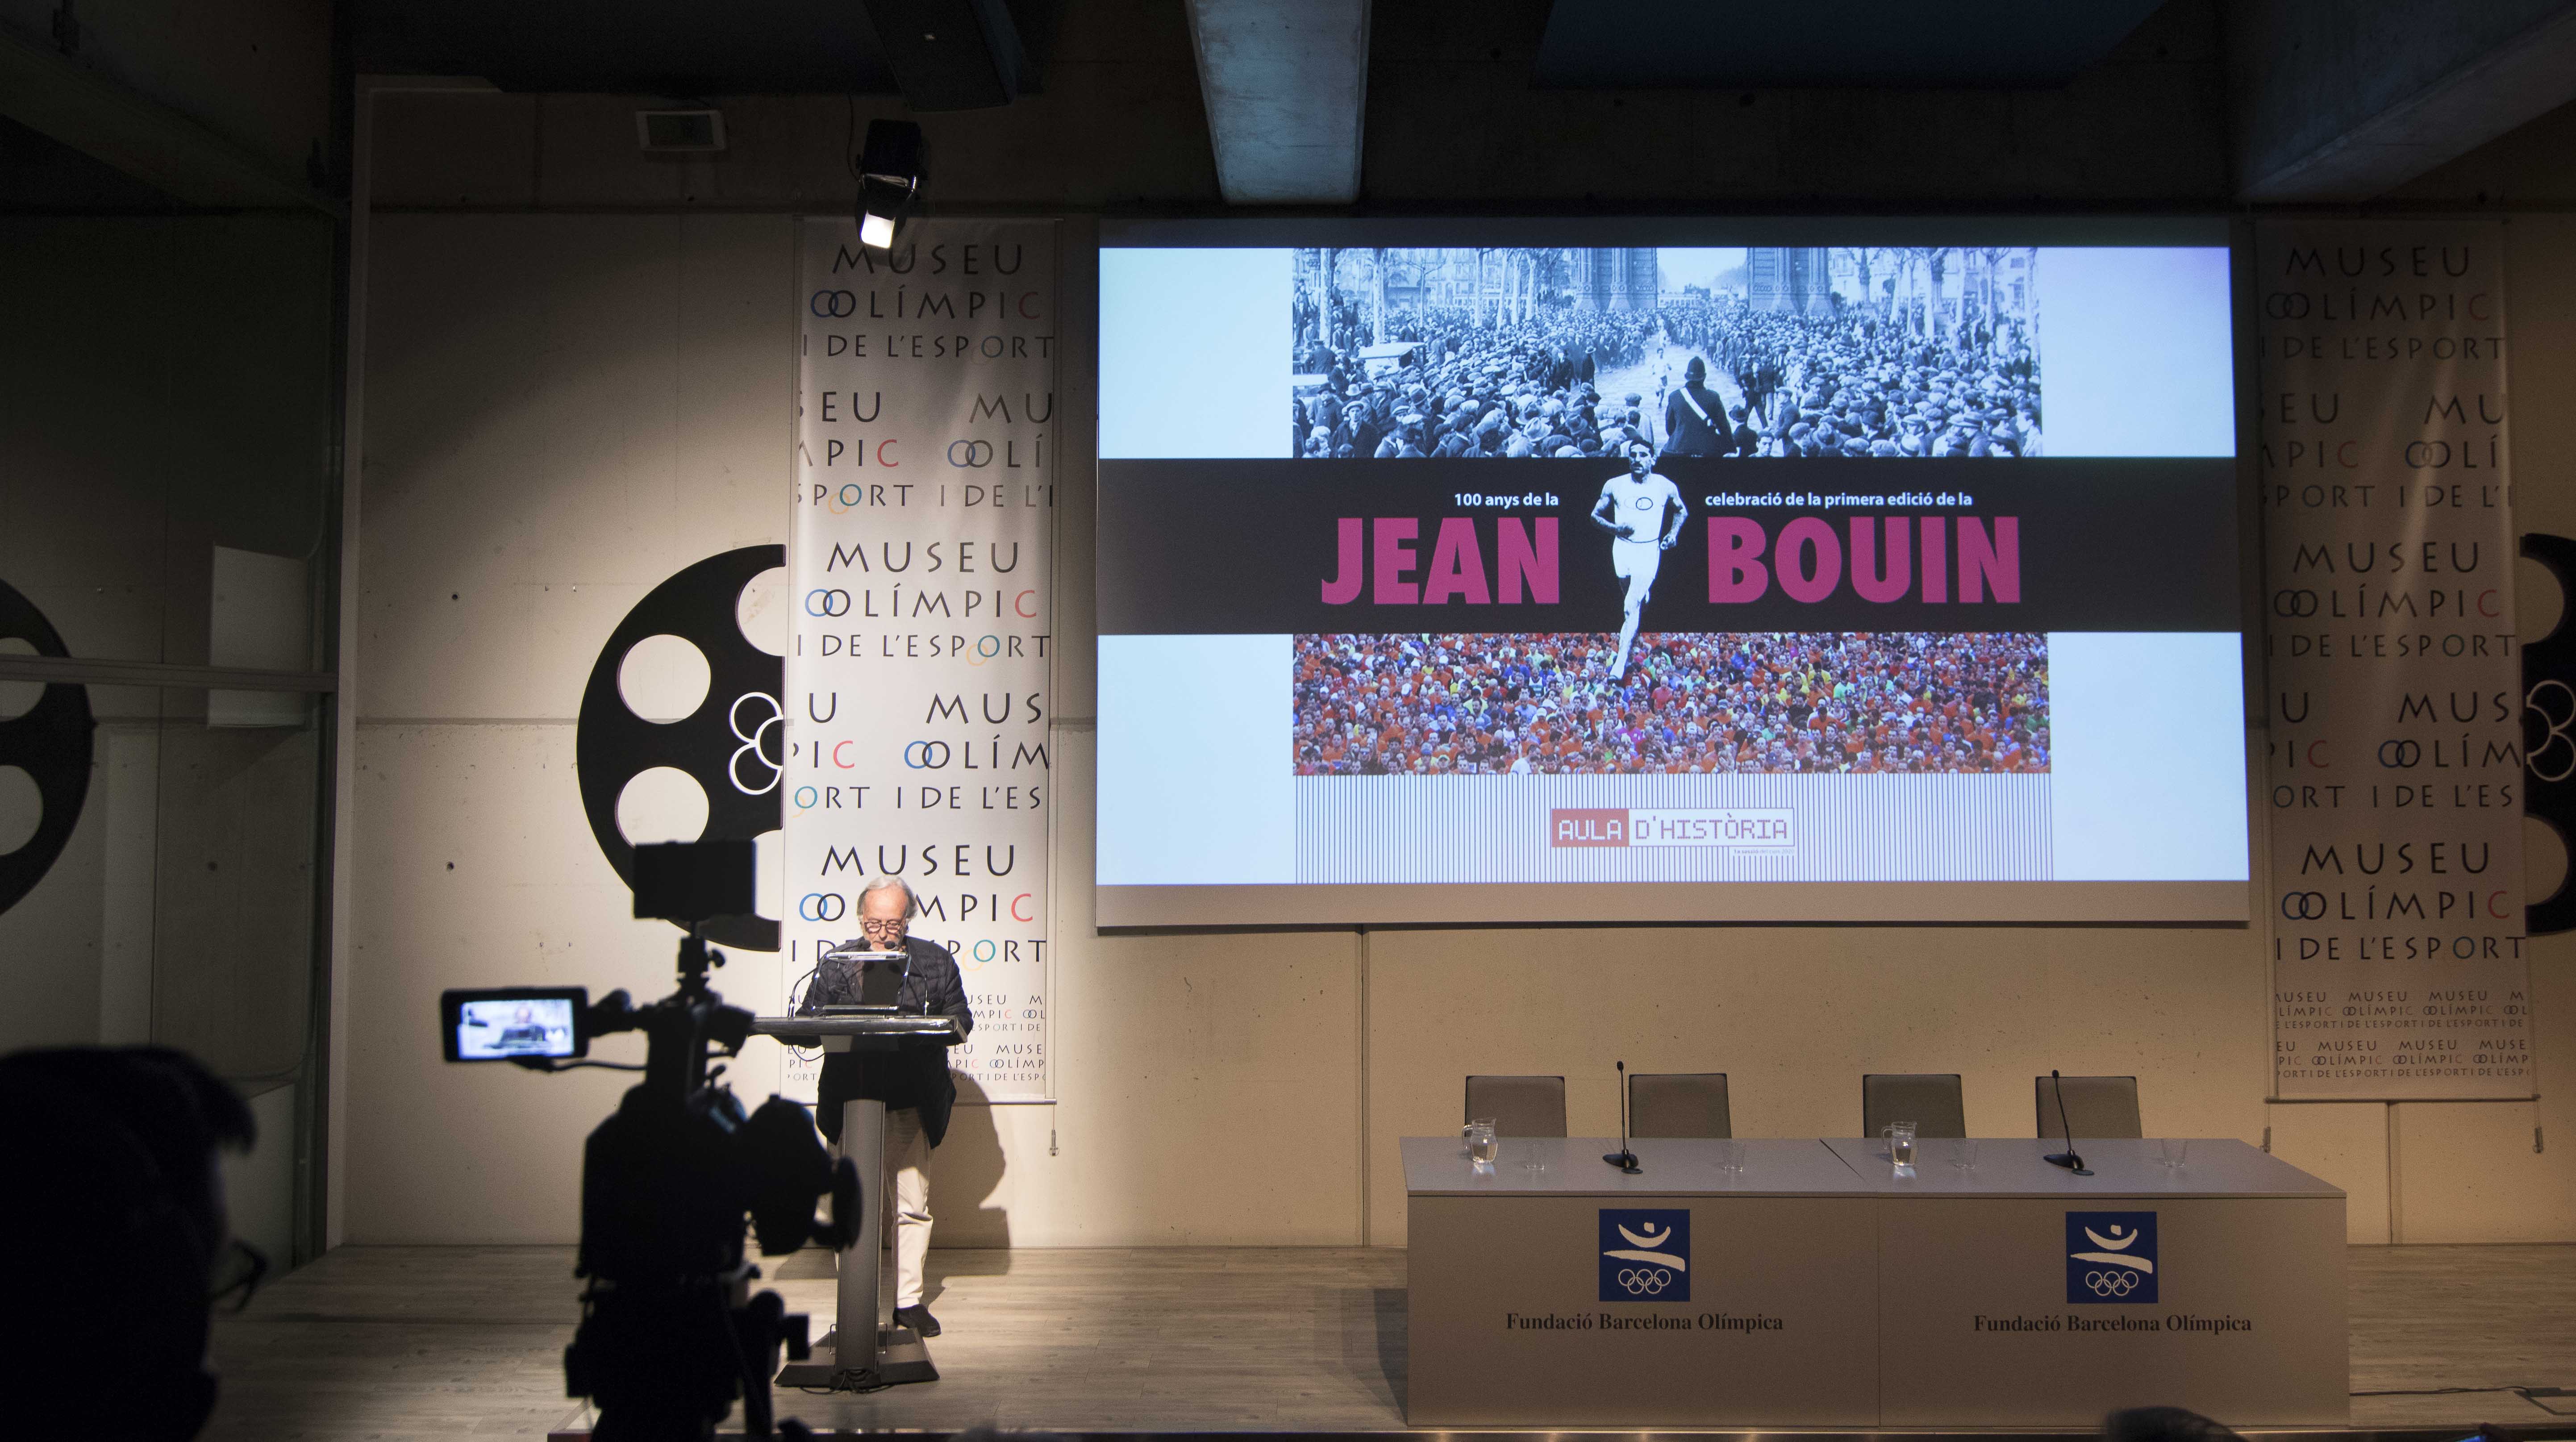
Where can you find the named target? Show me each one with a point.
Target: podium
(863, 1355)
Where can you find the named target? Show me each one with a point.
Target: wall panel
(2348, 1143)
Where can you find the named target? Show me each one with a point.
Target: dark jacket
(911, 1078)
(1689, 432)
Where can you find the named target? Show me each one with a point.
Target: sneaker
(918, 1319)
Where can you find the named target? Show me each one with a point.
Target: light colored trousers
(907, 1203)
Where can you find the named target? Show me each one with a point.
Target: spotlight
(889, 180)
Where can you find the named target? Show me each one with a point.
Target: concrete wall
(1118, 123)
(1453, 119)
(563, 412)
(566, 409)
(165, 390)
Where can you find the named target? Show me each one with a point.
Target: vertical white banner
(920, 553)
(2395, 779)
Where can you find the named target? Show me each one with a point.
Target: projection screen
(1468, 571)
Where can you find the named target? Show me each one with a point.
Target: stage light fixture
(890, 175)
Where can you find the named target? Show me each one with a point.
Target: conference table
(1815, 1286)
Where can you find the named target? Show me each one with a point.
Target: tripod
(671, 1333)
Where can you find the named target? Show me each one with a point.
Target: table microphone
(1624, 1159)
(2067, 1158)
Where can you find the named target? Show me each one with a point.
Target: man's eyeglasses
(883, 928)
(238, 1273)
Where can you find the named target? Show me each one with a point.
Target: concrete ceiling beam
(2343, 100)
(147, 140)
(1286, 86)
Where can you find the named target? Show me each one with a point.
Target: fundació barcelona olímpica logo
(1645, 1254)
(2110, 1256)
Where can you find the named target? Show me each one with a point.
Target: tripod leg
(756, 1342)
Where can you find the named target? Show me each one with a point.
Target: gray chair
(1521, 1106)
(1930, 1100)
(2096, 1106)
(1678, 1104)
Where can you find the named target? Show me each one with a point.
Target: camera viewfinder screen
(514, 1026)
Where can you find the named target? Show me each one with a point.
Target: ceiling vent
(680, 132)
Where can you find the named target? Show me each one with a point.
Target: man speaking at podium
(914, 1084)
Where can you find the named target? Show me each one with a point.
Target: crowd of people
(1861, 383)
(1841, 701)
(1569, 383)
(1473, 388)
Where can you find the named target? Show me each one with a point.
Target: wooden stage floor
(399, 1343)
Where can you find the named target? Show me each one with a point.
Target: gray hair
(911, 903)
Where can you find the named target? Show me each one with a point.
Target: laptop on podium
(880, 977)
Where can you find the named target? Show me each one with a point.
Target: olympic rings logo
(1645, 1281)
(2303, 905)
(2557, 735)
(2111, 1284)
(2400, 755)
(827, 603)
(926, 755)
(833, 304)
(823, 906)
(2428, 455)
(987, 950)
(853, 495)
(2297, 305)
(979, 454)
(751, 745)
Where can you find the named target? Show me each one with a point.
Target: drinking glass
(1966, 1158)
(1900, 1146)
(1529, 1158)
(2176, 1151)
(1481, 1146)
(1730, 1156)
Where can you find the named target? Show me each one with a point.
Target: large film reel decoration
(2549, 731)
(52, 744)
(732, 745)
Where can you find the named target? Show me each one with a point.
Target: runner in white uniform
(1643, 512)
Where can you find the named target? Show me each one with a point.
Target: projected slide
(1691, 654)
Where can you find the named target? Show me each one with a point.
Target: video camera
(670, 1333)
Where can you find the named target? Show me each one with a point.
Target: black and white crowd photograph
(1865, 351)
